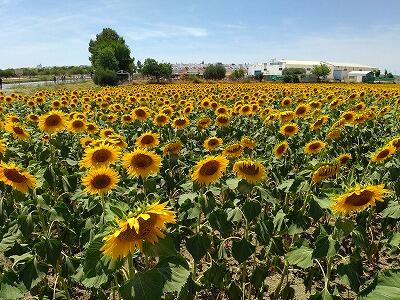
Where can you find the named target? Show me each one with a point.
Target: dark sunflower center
(140, 113)
(142, 161)
(359, 200)
(147, 140)
(77, 124)
(383, 154)
(213, 142)
(249, 169)
(209, 168)
(101, 181)
(180, 122)
(14, 176)
(301, 110)
(289, 129)
(18, 130)
(53, 120)
(280, 149)
(314, 146)
(101, 155)
(161, 119)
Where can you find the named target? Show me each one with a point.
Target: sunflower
(249, 170)
(76, 125)
(395, 142)
(209, 170)
(161, 119)
(358, 199)
(141, 113)
(203, 122)
(302, 110)
(280, 149)
(53, 121)
(334, 134)
(33, 118)
(314, 147)
(172, 148)
(20, 180)
(99, 156)
(147, 224)
(141, 162)
(289, 129)
(100, 180)
(248, 143)
(147, 140)
(212, 143)
(383, 153)
(324, 172)
(343, 158)
(17, 130)
(233, 150)
(180, 122)
(116, 140)
(85, 141)
(222, 120)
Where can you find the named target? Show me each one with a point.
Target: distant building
(360, 76)
(339, 71)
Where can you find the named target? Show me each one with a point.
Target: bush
(215, 72)
(105, 77)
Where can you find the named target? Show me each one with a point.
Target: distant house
(360, 76)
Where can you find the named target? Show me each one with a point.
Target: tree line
(64, 70)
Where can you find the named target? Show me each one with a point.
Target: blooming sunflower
(147, 140)
(395, 142)
(100, 180)
(280, 149)
(212, 143)
(53, 121)
(141, 113)
(343, 158)
(161, 119)
(20, 180)
(314, 147)
(141, 162)
(76, 125)
(289, 129)
(147, 224)
(248, 143)
(334, 134)
(249, 170)
(383, 153)
(180, 122)
(203, 122)
(209, 170)
(17, 130)
(100, 156)
(358, 199)
(222, 120)
(233, 150)
(172, 148)
(324, 172)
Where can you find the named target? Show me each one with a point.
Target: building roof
(359, 73)
(339, 64)
(301, 62)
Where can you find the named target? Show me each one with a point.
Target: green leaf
(395, 239)
(9, 238)
(251, 210)
(385, 287)
(232, 183)
(244, 187)
(234, 292)
(392, 211)
(219, 220)
(258, 277)
(164, 247)
(351, 272)
(286, 185)
(10, 292)
(235, 214)
(301, 257)
(182, 198)
(95, 281)
(198, 245)
(278, 220)
(215, 274)
(242, 250)
(325, 245)
(266, 195)
(175, 273)
(345, 225)
(32, 273)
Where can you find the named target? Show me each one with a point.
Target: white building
(339, 71)
(357, 76)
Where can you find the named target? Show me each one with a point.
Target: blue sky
(57, 32)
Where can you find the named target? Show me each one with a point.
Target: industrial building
(339, 71)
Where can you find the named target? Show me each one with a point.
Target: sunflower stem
(328, 272)
(130, 265)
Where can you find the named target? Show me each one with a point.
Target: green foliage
(155, 69)
(215, 72)
(238, 74)
(321, 71)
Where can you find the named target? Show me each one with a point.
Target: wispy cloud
(164, 31)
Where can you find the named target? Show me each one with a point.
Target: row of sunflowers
(201, 191)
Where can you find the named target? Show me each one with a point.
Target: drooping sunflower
(233, 150)
(324, 172)
(334, 134)
(172, 148)
(147, 224)
(314, 147)
(209, 170)
(248, 143)
(343, 158)
(395, 142)
(53, 121)
(212, 143)
(102, 155)
(17, 130)
(358, 199)
(147, 140)
(383, 153)
(100, 181)
(141, 162)
(289, 129)
(18, 179)
(249, 170)
(281, 149)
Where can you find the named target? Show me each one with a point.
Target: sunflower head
(383, 153)
(343, 158)
(141, 163)
(314, 147)
(280, 149)
(248, 143)
(289, 129)
(233, 150)
(102, 155)
(13, 176)
(101, 180)
(212, 143)
(53, 121)
(172, 148)
(209, 170)
(249, 170)
(147, 140)
(325, 171)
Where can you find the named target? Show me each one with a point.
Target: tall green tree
(215, 72)
(157, 70)
(109, 53)
(321, 71)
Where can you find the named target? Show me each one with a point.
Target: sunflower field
(201, 191)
